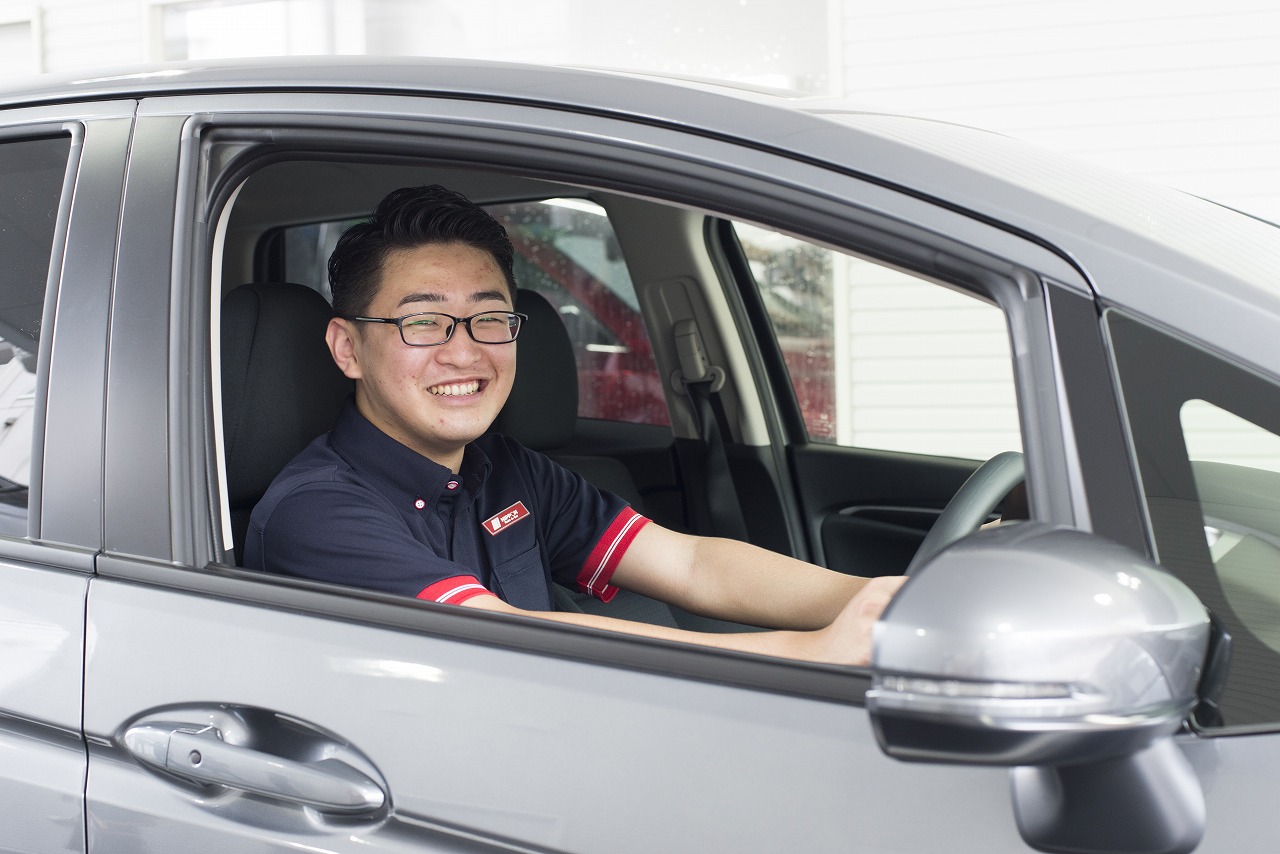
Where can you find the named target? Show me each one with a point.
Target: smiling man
(410, 494)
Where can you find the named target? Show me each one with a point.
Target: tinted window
(882, 359)
(1207, 437)
(31, 176)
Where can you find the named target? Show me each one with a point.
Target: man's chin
(461, 431)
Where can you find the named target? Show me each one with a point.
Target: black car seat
(280, 387)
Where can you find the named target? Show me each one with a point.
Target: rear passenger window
(31, 177)
(882, 359)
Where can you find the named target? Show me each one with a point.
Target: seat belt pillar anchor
(695, 366)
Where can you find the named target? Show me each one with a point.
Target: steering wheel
(972, 504)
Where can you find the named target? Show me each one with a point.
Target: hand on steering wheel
(972, 504)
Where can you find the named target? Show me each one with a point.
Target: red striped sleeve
(454, 591)
(604, 558)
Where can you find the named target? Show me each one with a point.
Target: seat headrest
(280, 386)
(543, 407)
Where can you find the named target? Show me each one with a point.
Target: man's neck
(453, 462)
(450, 457)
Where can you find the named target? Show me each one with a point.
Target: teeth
(456, 389)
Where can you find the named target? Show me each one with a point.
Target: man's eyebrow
(428, 296)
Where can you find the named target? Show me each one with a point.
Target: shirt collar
(400, 469)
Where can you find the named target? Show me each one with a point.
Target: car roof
(1118, 230)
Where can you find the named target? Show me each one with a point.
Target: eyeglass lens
(489, 327)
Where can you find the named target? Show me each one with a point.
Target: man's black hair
(404, 219)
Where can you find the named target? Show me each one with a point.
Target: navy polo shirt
(358, 508)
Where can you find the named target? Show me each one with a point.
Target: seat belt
(717, 510)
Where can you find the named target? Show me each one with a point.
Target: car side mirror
(1064, 656)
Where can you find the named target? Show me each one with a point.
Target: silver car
(848, 336)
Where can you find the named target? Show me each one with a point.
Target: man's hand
(848, 639)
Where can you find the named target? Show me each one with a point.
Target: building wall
(1181, 92)
(73, 34)
(762, 41)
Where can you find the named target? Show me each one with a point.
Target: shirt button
(420, 504)
(452, 485)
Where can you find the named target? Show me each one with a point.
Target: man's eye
(423, 322)
(490, 320)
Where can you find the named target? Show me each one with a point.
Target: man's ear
(340, 336)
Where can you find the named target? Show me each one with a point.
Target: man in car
(409, 494)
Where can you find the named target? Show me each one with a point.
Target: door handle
(198, 753)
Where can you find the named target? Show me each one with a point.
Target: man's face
(432, 399)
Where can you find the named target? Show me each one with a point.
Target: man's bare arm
(732, 580)
(818, 615)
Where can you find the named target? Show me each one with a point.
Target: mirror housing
(1064, 656)
(1030, 644)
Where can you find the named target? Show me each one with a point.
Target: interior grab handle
(198, 753)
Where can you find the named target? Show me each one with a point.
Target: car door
(227, 710)
(61, 170)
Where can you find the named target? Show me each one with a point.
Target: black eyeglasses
(432, 328)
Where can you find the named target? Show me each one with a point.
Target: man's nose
(461, 348)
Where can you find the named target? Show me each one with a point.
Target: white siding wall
(92, 34)
(762, 41)
(1183, 92)
(18, 46)
(920, 368)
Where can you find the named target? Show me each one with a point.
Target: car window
(31, 177)
(1207, 437)
(567, 250)
(882, 359)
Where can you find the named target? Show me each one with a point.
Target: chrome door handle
(198, 753)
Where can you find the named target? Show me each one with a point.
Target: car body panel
(488, 745)
(42, 754)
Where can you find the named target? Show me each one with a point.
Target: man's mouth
(455, 389)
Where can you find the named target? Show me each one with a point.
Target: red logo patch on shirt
(505, 518)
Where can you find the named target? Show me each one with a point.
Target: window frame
(64, 527)
(66, 463)
(49, 301)
(213, 141)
